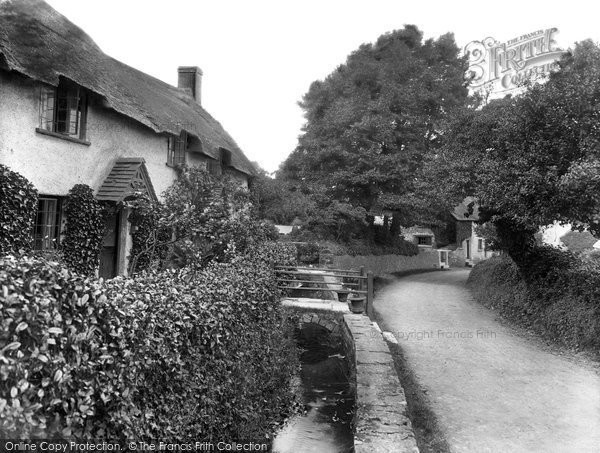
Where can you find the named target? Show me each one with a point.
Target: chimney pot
(190, 79)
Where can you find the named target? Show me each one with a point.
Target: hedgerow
(18, 205)
(165, 355)
(559, 297)
(84, 230)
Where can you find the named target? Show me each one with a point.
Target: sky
(259, 57)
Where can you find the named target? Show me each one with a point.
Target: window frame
(224, 158)
(480, 245)
(47, 225)
(428, 241)
(56, 108)
(177, 147)
(214, 167)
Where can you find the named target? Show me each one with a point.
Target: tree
(280, 200)
(530, 160)
(371, 122)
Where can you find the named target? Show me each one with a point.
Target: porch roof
(126, 176)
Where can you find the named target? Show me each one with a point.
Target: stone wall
(387, 264)
(381, 421)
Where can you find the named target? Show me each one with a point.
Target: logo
(504, 67)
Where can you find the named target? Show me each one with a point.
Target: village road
(494, 388)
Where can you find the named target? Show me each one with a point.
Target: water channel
(327, 393)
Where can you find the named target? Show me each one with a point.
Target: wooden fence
(341, 281)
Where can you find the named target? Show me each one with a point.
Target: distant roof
(461, 212)
(37, 41)
(284, 229)
(418, 231)
(123, 180)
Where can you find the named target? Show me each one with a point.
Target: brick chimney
(190, 79)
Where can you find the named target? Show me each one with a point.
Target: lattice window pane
(62, 110)
(47, 105)
(176, 150)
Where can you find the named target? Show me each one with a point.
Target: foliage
(84, 230)
(308, 252)
(338, 221)
(150, 239)
(203, 218)
(372, 122)
(530, 160)
(558, 300)
(18, 206)
(281, 201)
(280, 253)
(488, 232)
(363, 248)
(166, 355)
(578, 241)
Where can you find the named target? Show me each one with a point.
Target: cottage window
(47, 224)
(424, 240)
(213, 167)
(63, 110)
(225, 158)
(480, 245)
(176, 150)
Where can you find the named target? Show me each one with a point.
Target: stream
(327, 394)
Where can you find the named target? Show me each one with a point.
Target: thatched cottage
(70, 114)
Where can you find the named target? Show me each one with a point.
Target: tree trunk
(519, 243)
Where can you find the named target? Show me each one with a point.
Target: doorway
(110, 247)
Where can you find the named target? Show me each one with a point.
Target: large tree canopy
(371, 123)
(530, 160)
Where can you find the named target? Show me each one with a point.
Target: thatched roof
(462, 211)
(37, 41)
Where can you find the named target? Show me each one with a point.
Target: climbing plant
(18, 206)
(150, 237)
(84, 230)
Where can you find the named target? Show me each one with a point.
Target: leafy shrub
(18, 207)
(559, 297)
(166, 355)
(84, 230)
(279, 253)
(149, 238)
(308, 252)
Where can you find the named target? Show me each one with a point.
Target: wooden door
(110, 247)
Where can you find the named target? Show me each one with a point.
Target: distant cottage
(471, 248)
(70, 114)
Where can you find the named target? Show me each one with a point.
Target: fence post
(362, 282)
(370, 294)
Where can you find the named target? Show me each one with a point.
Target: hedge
(84, 230)
(18, 206)
(166, 355)
(559, 297)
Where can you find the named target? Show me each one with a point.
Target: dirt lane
(493, 388)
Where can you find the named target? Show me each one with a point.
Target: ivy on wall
(18, 207)
(84, 230)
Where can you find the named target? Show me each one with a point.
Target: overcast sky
(259, 57)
